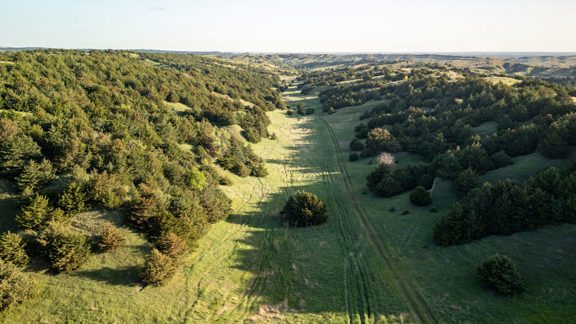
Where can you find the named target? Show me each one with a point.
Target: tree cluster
(549, 197)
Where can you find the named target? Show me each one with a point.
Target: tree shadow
(124, 276)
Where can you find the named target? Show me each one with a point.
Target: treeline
(331, 77)
(549, 197)
(84, 129)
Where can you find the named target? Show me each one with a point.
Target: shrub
(353, 157)
(466, 181)
(15, 286)
(289, 112)
(356, 145)
(392, 209)
(241, 170)
(433, 210)
(66, 251)
(406, 212)
(34, 215)
(309, 111)
(225, 181)
(259, 171)
(420, 197)
(111, 238)
(501, 159)
(158, 268)
(13, 249)
(499, 272)
(304, 209)
(172, 246)
(73, 200)
(35, 175)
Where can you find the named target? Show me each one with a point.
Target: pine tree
(36, 214)
(13, 249)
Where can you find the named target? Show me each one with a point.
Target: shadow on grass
(125, 276)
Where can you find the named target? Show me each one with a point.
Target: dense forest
(120, 130)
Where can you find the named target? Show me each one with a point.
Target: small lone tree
(499, 272)
(66, 251)
(111, 238)
(13, 249)
(356, 145)
(304, 209)
(158, 269)
(420, 197)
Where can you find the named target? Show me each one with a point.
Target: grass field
(366, 264)
(504, 80)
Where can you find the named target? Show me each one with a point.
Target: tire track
(352, 263)
(412, 298)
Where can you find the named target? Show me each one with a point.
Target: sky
(293, 26)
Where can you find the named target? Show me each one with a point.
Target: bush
(499, 272)
(356, 145)
(172, 246)
(501, 159)
(13, 249)
(309, 111)
(466, 181)
(73, 200)
(35, 215)
(420, 197)
(259, 171)
(66, 251)
(158, 269)
(225, 181)
(304, 209)
(353, 157)
(111, 238)
(15, 286)
(406, 212)
(392, 209)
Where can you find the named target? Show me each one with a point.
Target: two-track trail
(359, 238)
(403, 286)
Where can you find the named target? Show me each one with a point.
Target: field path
(411, 297)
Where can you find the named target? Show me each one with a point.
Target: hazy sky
(293, 26)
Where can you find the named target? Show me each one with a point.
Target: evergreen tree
(304, 209)
(13, 249)
(466, 181)
(36, 214)
(158, 269)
